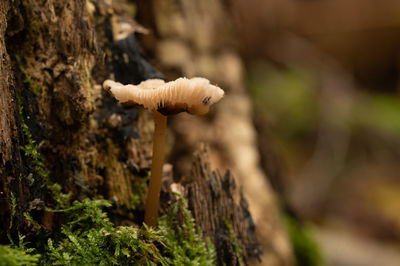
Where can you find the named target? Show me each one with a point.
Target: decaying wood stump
(220, 209)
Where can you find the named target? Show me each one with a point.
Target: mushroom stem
(153, 194)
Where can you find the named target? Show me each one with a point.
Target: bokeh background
(324, 80)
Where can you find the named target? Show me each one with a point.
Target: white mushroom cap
(194, 95)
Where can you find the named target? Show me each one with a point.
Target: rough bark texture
(219, 207)
(47, 87)
(9, 148)
(53, 57)
(90, 144)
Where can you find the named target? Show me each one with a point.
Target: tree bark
(52, 64)
(219, 207)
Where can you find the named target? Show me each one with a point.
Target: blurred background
(324, 81)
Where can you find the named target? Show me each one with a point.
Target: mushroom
(194, 96)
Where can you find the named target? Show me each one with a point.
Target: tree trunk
(59, 127)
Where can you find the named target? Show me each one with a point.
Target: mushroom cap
(194, 95)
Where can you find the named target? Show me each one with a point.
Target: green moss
(185, 245)
(89, 237)
(139, 193)
(13, 255)
(63, 200)
(30, 148)
(37, 89)
(234, 240)
(38, 161)
(306, 251)
(33, 222)
(13, 204)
